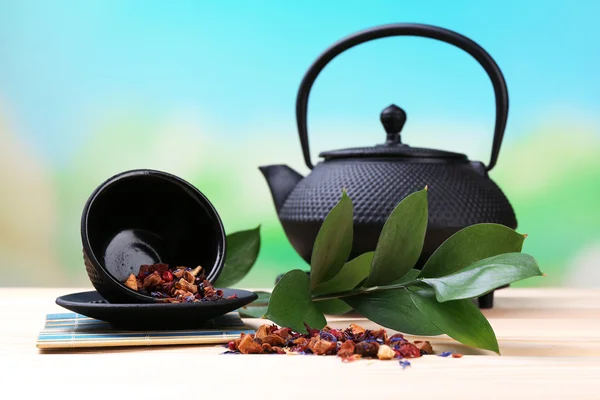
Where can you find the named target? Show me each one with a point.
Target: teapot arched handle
(427, 31)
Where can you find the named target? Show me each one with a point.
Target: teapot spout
(281, 180)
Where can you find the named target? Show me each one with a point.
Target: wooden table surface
(549, 340)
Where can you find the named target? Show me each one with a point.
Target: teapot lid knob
(393, 119)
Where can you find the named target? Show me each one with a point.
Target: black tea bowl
(145, 217)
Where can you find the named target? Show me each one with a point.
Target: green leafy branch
(384, 286)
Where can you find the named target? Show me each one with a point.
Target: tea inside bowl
(148, 217)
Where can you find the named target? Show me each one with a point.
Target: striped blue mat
(72, 330)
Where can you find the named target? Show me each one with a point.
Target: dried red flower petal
(167, 276)
(172, 286)
(160, 268)
(349, 347)
(337, 333)
(144, 271)
(398, 337)
(311, 331)
(409, 350)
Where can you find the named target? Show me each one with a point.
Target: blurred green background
(206, 90)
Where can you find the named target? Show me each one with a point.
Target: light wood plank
(549, 338)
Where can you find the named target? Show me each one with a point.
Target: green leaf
(484, 276)
(407, 280)
(471, 244)
(410, 276)
(333, 307)
(393, 309)
(401, 240)
(258, 308)
(241, 254)
(333, 243)
(352, 273)
(459, 319)
(291, 305)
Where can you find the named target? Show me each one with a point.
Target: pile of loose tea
(174, 285)
(349, 344)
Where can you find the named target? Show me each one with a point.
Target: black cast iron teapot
(377, 178)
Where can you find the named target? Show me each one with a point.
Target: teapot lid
(393, 119)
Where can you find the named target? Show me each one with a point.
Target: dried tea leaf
(187, 286)
(131, 282)
(346, 349)
(321, 347)
(273, 340)
(262, 332)
(152, 280)
(179, 273)
(249, 346)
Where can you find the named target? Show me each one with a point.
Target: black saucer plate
(154, 315)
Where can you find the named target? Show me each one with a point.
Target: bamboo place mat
(72, 330)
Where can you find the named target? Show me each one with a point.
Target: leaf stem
(356, 292)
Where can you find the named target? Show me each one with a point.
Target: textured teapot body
(460, 194)
(378, 177)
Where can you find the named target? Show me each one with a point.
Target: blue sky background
(207, 90)
(66, 64)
